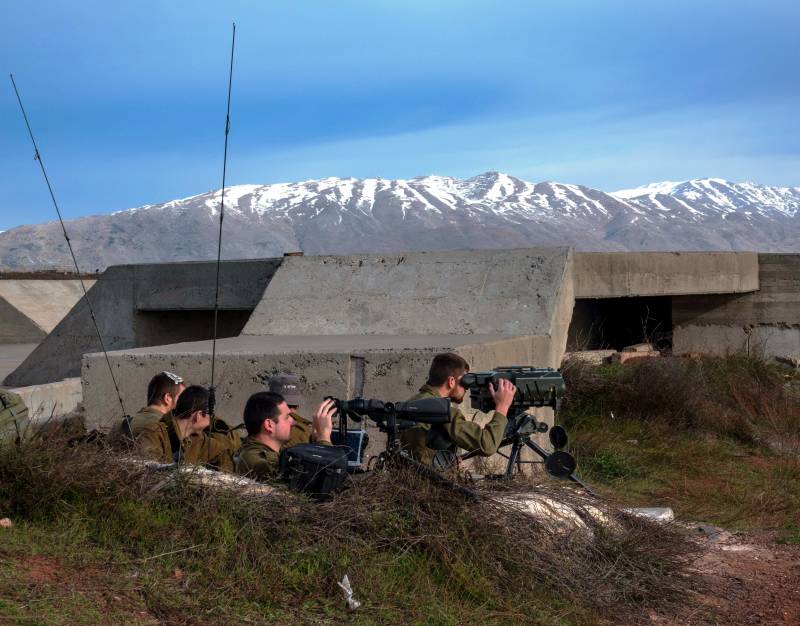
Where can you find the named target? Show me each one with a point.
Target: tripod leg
(573, 477)
(512, 459)
(435, 476)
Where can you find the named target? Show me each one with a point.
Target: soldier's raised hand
(323, 420)
(503, 394)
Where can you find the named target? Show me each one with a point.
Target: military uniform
(257, 460)
(161, 441)
(301, 431)
(121, 435)
(14, 418)
(459, 432)
(225, 434)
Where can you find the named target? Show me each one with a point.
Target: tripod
(395, 454)
(519, 434)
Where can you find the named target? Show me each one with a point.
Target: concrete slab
(622, 274)
(51, 399)
(16, 327)
(131, 302)
(44, 302)
(11, 355)
(764, 323)
(371, 366)
(384, 367)
(513, 292)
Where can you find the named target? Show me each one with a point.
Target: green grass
(704, 452)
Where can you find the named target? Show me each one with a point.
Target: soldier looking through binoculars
(444, 381)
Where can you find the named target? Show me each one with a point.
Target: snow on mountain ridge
(491, 210)
(496, 193)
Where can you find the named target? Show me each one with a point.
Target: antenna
(38, 157)
(212, 398)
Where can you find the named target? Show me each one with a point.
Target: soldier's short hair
(259, 407)
(162, 384)
(194, 398)
(445, 365)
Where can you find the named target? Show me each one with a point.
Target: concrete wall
(16, 327)
(379, 366)
(51, 399)
(561, 319)
(58, 356)
(383, 367)
(620, 274)
(766, 322)
(44, 302)
(122, 292)
(514, 292)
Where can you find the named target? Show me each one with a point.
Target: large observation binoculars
(536, 387)
(399, 415)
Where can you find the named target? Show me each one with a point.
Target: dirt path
(752, 579)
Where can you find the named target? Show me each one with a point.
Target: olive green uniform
(256, 460)
(161, 441)
(145, 415)
(301, 431)
(14, 418)
(461, 432)
(121, 435)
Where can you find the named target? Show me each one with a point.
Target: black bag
(314, 469)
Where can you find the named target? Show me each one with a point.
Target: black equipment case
(314, 469)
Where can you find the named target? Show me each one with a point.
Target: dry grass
(415, 553)
(718, 439)
(739, 397)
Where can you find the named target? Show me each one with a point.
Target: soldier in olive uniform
(180, 435)
(163, 391)
(269, 423)
(444, 377)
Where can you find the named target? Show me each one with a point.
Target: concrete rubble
(633, 352)
(593, 357)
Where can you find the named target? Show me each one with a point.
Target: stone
(624, 357)
(593, 357)
(638, 347)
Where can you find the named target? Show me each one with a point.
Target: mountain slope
(492, 210)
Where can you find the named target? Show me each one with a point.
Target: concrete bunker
(148, 305)
(155, 328)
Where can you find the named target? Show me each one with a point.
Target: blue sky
(127, 99)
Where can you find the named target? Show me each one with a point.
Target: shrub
(739, 397)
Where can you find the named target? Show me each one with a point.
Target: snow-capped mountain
(492, 210)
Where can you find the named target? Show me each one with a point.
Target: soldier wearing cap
(288, 387)
(180, 435)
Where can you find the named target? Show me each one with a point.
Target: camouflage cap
(288, 385)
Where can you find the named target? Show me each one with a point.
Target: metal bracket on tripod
(519, 433)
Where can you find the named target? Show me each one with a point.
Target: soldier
(163, 391)
(269, 423)
(288, 387)
(162, 394)
(444, 377)
(179, 436)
